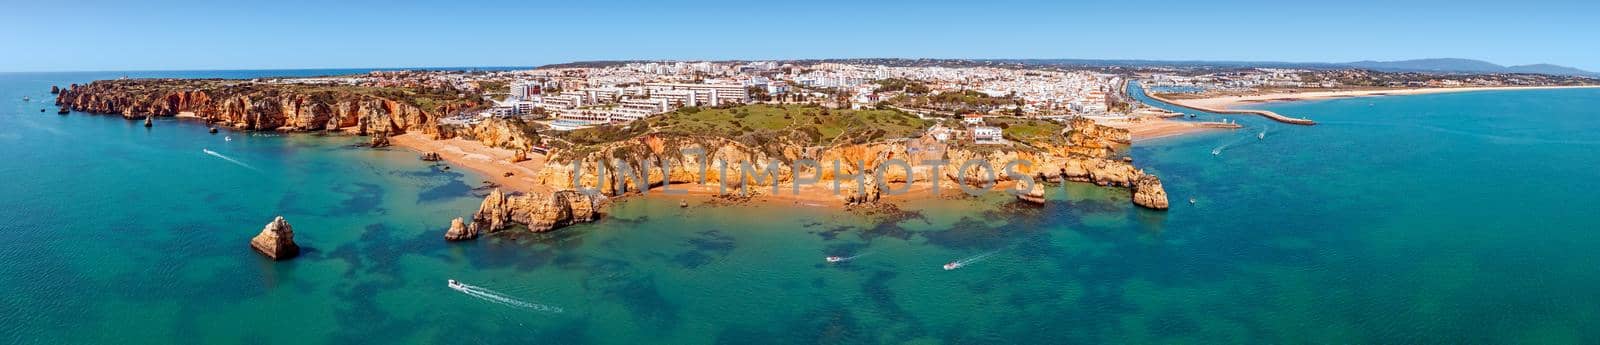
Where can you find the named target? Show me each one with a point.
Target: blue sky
(54, 35)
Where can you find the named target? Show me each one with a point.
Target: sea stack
(276, 241)
(55, 89)
(537, 211)
(1147, 192)
(149, 121)
(461, 231)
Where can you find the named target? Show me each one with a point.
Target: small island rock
(276, 241)
(461, 231)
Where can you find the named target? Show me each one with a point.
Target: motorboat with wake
(834, 259)
(453, 284)
(952, 265)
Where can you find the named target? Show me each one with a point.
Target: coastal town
(550, 135)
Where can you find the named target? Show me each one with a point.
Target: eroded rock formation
(276, 241)
(250, 105)
(1034, 195)
(1088, 155)
(460, 231)
(539, 212)
(1147, 192)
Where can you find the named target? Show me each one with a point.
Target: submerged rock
(276, 241)
(1147, 192)
(460, 231)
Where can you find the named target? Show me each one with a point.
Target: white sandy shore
(1226, 102)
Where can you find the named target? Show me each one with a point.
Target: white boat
(227, 138)
(952, 265)
(1262, 135)
(453, 284)
(1191, 201)
(833, 259)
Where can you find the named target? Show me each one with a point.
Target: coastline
(1150, 129)
(1225, 110)
(493, 162)
(1227, 103)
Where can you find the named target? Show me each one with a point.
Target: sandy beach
(492, 162)
(1156, 128)
(1227, 102)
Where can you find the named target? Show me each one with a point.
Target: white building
(987, 135)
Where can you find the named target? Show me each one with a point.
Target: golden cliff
(1087, 155)
(248, 105)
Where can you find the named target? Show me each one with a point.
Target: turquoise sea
(1446, 218)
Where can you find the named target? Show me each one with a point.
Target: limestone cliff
(1085, 156)
(251, 105)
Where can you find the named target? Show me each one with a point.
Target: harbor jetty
(1263, 113)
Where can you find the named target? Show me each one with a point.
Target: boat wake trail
(501, 299)
(229, 159)
(836, 259)
(1240, 140)
(963, 262)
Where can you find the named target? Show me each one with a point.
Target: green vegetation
(759, 124)
(1029, 131)
(958, 101)
(495, 86)
(903, 85)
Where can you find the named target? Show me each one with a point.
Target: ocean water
(1456, 218)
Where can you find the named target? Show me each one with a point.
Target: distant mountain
(1545, 68)
(1466, 66)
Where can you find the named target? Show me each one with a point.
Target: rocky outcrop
(460, 231)
(55, 89)
(276, 241)
(250, 105)
(1089, 155)
(1147, 192)
(379, 140)
(1033, 196)
(62, 111)
(431, 157)
(539, 212)
(149, 121)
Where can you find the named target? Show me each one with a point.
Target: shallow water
(1432, 218)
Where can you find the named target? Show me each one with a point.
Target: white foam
(229, 159)
(502, 299)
